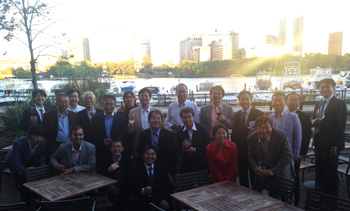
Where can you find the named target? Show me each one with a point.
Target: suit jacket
(205, 115)
(27, 113)
(87, 158)
(18, 157)
(50, 122)
(161, 187)
(196, 161)
(240, 137)
(280, 154)
(222, 164)
(292, 126)
(166, 149)
(135, 114)
(98, 129)
(306, 125)
(332, 126)
(84, 122)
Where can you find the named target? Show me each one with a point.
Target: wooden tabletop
(69, 185)
(228, 196)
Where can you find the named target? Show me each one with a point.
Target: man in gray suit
(216, 111)
(75, 156)
(269, 153)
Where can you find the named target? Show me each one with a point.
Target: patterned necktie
(41, 113)
(150, 176)
(155, 140)
(323, 105)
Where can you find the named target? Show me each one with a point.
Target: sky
(111, 25)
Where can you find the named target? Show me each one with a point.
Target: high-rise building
(335, 43)
(200, 54)
(141, 49)
(78, 49)
(282, 32)
(221, 50)
(235, 44)
(298, 35)
(187, 45)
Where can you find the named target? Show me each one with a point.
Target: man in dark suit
(57, 123)
(86, 115)
(192, 140)
(107, 126)
(243, 126)
(293, 102)
(75, 156)
(216, 111)
(163, 140)
(35, 113)
(151, 182)
(269, 154)
(329, 119)
(118, 167)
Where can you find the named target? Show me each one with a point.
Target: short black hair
(115, 140)
(279, 94)
(245, 92)
(154, 112)
(109, 97)
(181, 84)
(75, 128)
(293, 93)
(186, 110)
(36, 130)
(147, 147)
(59, 95)
(217, 127)
(71, 90)
(143, 90)
(329, 81)
(125, 94)
(39, 91)
(217, 88)
(263, 120)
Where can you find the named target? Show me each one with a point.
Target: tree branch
(40, 31)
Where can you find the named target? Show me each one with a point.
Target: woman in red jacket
(222, 156)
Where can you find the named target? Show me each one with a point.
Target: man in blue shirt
(57, 123)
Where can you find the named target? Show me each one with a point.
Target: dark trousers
(297, 183)
(245, 172)
(327, 172)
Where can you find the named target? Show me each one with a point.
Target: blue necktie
(155, 140)
(150, 176)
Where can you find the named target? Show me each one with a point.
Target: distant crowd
(143, 152)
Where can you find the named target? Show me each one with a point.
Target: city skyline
(111, 26)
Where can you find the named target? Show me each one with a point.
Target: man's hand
(120, 110)
(30, 168)
(221, 118)
(333, 152)
(106, 142)
(68, 171)
(267, 173)
(131, 127)
(300, 158)
(33, 118)
(185, 145)
(113, 167)
(59, 167)
(175, 126)
(250, 130)
(147, 190)
(317, 121)
(189, 150)
(164, 204)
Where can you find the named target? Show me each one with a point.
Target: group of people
(136, 147)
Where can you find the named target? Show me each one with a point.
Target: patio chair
(343, 169)
(14, 207)
(187, 181)
(281, 186)
(40, 172)
(316, 200)
(78, 204)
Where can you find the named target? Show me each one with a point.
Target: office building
(221, 50)
(78, 49)
(298, 35)
(282, 33)
(335, 43)
(187, 45)
(200, 54)
(271, 40)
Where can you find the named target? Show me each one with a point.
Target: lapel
(55, 120)
(239, 115)
(114, 122)
(26, 149)
(252, 115)
(331, 103)
(102, 123)
(69, 153)
(82, 153)
(209, 114)
(138, 117)
(185, 133)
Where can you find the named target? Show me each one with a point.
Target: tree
(29, 17)
(147, 64)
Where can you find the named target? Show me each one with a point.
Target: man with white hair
(86, 115)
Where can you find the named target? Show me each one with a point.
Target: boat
(343, 81)
(205, 86)
(316, 75)
(237, 76)
(262, 88)
(292, 77)
(127, 86)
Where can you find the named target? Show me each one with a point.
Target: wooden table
(228, 196)
(67, 186)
